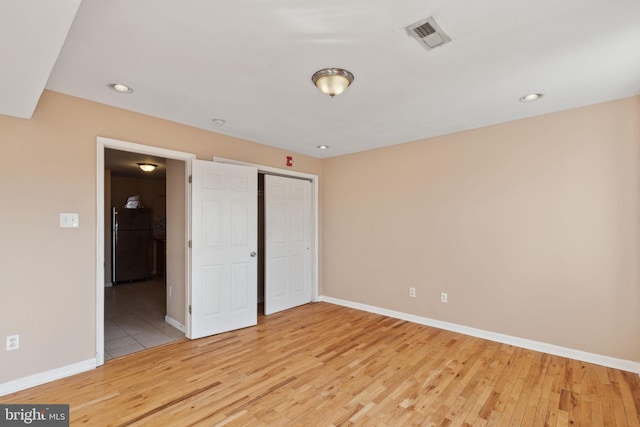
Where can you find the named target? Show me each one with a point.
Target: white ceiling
(250, 63)
(32, 33)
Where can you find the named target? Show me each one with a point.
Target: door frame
(102, 143)
(315, 266)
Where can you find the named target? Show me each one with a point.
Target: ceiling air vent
(428, 32)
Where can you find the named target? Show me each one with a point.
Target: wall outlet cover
(69, 220)
(13, 342)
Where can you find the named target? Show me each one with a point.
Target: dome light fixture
(323, 147)
(332, 81)
(531, 97)
(147, 167)
(120, 88)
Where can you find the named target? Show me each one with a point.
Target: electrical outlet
(412, 292)
(13, 342)
(443, 297)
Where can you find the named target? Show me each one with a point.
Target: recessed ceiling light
(218, 122)
(120, 88)
(531, 97)
(323, 147)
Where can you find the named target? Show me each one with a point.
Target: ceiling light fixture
(218, 122)
(531, 97)
(332, 81)
(323, 147)
(120, 88)
(147, 167)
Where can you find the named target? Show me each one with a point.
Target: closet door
(287, 243)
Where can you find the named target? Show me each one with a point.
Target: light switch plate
(69, 220)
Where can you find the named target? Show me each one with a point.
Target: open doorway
(135, 300)
(178, 166)
(144, 239)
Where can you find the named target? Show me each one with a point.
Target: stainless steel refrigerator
(132, 244)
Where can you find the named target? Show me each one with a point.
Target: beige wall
(531, 227)
(48, 166)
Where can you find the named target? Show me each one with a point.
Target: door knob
(253, 254)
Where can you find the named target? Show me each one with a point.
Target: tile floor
(134, 318)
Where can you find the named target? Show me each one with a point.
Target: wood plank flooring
(326, 365)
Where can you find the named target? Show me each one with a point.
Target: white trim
(133, 147)
(100, 253)
(47, 376)
(102, 143)
(173, 322)
(598, 359)
(187, 251)
(315, 182)
(263, 168)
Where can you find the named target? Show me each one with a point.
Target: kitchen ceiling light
(323, 147)
(147, 167)
(332, 81)
(218, 122)
(120, 88)
(531, 97)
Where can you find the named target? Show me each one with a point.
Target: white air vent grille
(424, 30)
(429, 33)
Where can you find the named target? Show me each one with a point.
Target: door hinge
(190, 179)
(189, 243)
(189, 308)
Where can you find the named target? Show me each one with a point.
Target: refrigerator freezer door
(132, 245)
(132, 255)
(133, 219)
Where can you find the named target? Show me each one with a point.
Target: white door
(224, 244)
(287, 244)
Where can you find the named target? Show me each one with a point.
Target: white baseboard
(598, 359)
(45, 377)
(173, 322)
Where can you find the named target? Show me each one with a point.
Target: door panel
(242, 287)
(211, 290)
(278, 283)
(298, 271)
(224, 236)
(288, 243)
(239, 220)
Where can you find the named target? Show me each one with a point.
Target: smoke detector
(428, 32)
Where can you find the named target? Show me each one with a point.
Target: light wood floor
(321, 364)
